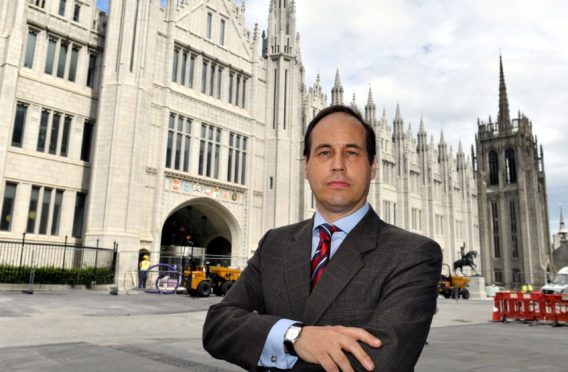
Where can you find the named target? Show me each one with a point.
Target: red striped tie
(322, 252)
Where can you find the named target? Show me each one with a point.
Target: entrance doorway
(200, 227)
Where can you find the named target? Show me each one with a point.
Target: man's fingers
(361, 335)
(352, 346)
(341, 360)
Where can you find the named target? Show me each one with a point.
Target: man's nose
(338, 163)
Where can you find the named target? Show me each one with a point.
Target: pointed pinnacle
(442, 137)
(421, 129)
(460, 150)
(337, 78)
(397, 115)
(370, 97)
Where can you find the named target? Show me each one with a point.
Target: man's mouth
(338, 184)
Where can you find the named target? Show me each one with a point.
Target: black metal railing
(41, 263)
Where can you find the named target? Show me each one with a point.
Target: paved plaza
(94, 331)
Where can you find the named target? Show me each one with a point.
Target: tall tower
(116, 193)
(512, 199)
(285, 80)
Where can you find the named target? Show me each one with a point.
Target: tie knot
(328, 229)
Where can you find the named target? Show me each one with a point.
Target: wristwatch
(291, 336)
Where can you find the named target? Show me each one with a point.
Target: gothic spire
(370, 109)
(337, 90)
(503, 118)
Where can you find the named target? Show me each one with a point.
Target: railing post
(64, 252)
(22, 254)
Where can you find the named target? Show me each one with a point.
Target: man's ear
(374, 168)
(305, 167)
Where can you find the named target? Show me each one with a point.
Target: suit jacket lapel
(344, 264)
(297, 269)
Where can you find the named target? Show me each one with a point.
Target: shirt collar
(346, 223)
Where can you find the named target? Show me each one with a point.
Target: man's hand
(325, 345)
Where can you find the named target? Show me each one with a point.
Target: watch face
(292, 333)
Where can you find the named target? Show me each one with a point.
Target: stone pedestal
(477, 287)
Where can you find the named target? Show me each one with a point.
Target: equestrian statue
(466, 260)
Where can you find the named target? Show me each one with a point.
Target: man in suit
(341, 291)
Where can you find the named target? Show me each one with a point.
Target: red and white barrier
(530, 307)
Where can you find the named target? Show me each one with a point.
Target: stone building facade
(513, 210)
(151, 126)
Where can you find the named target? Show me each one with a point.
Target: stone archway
(201, 223)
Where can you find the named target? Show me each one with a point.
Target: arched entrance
(200, 227)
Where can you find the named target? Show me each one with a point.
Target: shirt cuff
(273, 354)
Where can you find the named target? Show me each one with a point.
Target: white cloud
(440, 59)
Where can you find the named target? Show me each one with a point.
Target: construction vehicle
(453, 286)
(201, 278)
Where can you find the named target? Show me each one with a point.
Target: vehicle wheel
(204, 289)
(465, 294)
(446, 294)
(454, 293)
(226, 286)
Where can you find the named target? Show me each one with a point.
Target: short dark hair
(370, 138)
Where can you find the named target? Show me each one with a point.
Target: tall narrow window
(212, 80)
(238, 90)
(204, 78)
(496, 240)
(30, 49)
(179, 141)
(56, 216)
(510, 168)
(32, 211)
(514, 237)
(183, 66)
(77, 12)
(170, 144)
(244, 93)
(230, 93)
(493, 168)
(191, 70)
(62, 4)
(73, 63)
(79, 215)
(44, 219)
(19, 124)
(175, 64)
(42, 135)
(49, 60)
(187, 144)
(222, 33)
(209, 24)
(219, 78)
(62, 59)
(91, 70)
(86, 144)
(8, 206)
(65, 136)
(54, 133)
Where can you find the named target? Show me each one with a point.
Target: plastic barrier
(530, 307)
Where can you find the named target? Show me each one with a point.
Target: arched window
(510, 166)
(493, 168)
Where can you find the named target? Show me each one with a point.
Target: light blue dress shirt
(273, 354)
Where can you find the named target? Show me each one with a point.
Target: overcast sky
(440, 60)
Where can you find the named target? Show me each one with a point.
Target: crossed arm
(236, 329)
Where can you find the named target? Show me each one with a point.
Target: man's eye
(323, 153)
(352, 153)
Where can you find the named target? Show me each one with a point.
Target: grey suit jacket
(381, 278)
